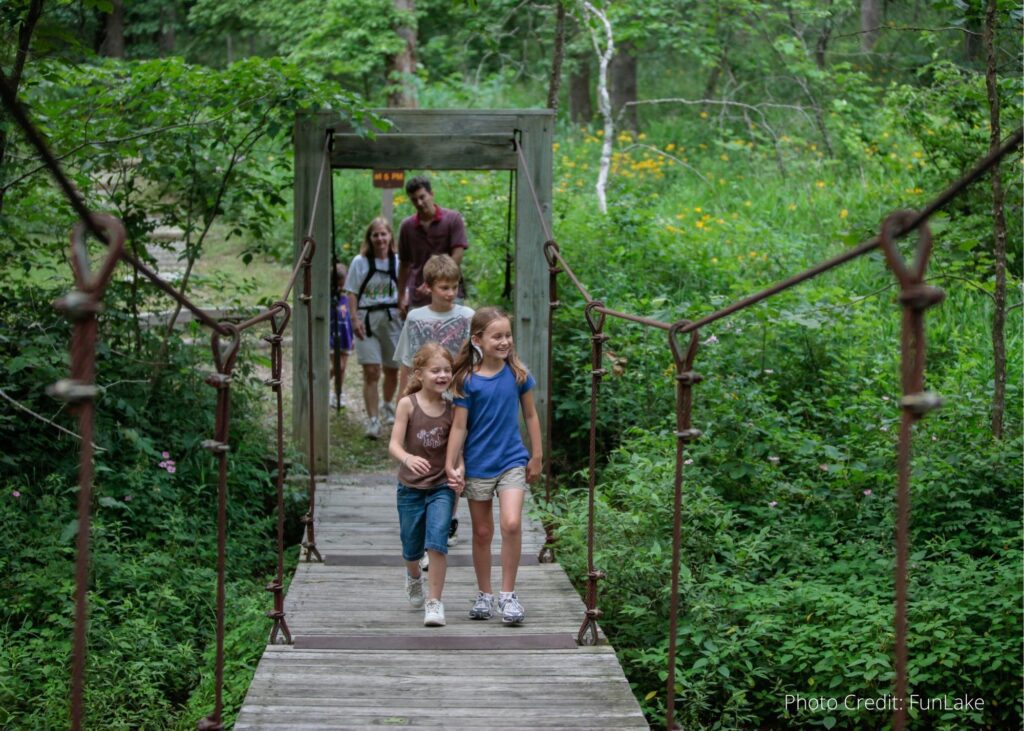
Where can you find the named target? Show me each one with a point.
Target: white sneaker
(414, 590)
(333, 401)
(342, 402)
(425, 563)
(372, 429)
(433, 614)
(511, 610)
(387, 413)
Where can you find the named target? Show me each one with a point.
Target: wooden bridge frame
(423, 139)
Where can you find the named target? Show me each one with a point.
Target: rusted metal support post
(588, 634)
(916, 297)
(224, 355)
(278, 324)
(547, 551)
(81, 306)
(309, 545)
(686, 377)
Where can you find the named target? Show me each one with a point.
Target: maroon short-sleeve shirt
(419, 240)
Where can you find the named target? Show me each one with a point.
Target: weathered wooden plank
(425, 152)
(404, 678)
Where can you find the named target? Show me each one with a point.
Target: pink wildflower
(165, 455)
(773, 503)
(163, 465)
(688, 461)
(15, 494)
(710, 341)
(868, 491)
(127, 498)
(172, 469)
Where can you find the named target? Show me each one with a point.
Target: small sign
(388, 178)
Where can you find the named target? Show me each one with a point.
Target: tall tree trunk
(28, 27)
(403, 64)
(557, 54)
(999, 229)
(821, 45)
(605, 55)
(870, 22)
(168, 28)
(622, 84)
(113, 43)
(581, 105)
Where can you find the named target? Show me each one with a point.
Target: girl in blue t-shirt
(491, 385)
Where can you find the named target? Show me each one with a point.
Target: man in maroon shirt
(431, 230)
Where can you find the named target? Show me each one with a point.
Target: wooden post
(532, 314)
(426, 139)
(310, 133)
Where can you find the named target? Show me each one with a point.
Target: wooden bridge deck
(363, 659)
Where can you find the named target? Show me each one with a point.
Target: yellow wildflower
(723, 157)
(820, 184)
(844, 213)
(697, 209)
(463, 181)
(670, 146)
(703, 115)
(748, 204)
(792, 206)
(699, 224)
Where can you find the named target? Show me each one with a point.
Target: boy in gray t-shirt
(442, 321)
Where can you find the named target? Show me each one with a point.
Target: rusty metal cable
(915, 297)
(81, 306)
(588, 634)
(224, 355)
(547, 551)
(906, 226)
(686, 378)
(276, 587)
(309, 544)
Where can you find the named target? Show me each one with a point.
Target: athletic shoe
(433, 614)
(453, 532)
(387, 413)
(414, 590)
(342, 402)
(512, 611)
(333, 401)
(372, 429)
(425, 563)
(483, 607)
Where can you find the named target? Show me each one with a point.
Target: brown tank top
(426, 436)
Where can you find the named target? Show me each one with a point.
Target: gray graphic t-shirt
(423, 325)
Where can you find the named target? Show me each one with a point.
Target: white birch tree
(604, 103)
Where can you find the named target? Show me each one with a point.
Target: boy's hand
(533, 468)
(357, 329)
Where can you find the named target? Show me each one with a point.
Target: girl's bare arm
(453, 457)
(396, 447)
(529, 407)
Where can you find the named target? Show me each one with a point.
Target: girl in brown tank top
(425, 497)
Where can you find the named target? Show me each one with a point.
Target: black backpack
(392, 275)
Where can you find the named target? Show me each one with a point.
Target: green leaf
(69, 532)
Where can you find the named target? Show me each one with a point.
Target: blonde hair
(366, 247)
(423, 356)
(441, 268)
(466, 360)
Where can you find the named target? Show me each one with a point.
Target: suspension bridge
(343, 651)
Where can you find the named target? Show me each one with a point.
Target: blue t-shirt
(493, 444)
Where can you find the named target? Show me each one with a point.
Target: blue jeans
(424, 516)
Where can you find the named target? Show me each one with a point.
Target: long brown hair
(423, 356)
(468, 357)
(366, 247)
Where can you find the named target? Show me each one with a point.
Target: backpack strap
(392, 287)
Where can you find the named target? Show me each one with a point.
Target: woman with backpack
(372, 288)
